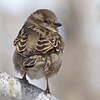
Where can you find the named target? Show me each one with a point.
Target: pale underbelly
(35, 74)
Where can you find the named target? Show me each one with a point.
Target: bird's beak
(57, 24)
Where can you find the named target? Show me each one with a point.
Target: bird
(39, 46)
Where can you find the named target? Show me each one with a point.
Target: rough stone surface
(12, 88)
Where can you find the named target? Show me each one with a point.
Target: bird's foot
(47, 91)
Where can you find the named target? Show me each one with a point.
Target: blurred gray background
(79, 76)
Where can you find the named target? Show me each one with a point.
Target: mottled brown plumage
(39, 47)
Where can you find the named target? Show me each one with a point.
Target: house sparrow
(39, 46)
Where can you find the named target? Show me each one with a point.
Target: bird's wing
(44, 46)
(20, 41)
(49, 44)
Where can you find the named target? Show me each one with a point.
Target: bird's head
(45, 18)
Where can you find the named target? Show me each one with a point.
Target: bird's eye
(45, 21)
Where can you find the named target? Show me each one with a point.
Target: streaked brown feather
(44, 45)
(20, 41)
(29, 62)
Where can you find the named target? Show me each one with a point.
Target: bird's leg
(24, 78)
(46, 66)
(47, 89)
